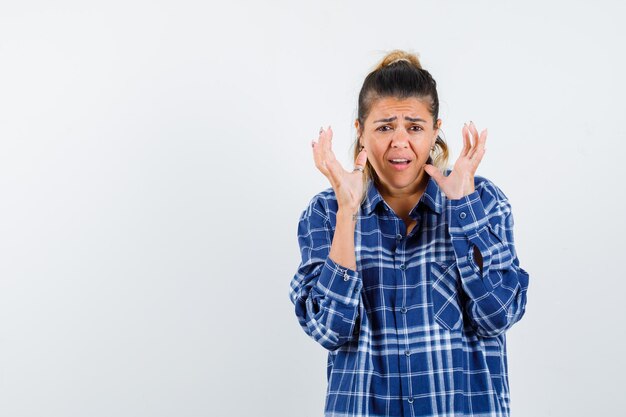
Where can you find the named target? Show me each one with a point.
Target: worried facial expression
(398, 135)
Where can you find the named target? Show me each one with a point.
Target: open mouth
(400, 161)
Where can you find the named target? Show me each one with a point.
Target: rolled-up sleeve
(497, 291)
(326, 295)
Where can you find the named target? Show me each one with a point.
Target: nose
(400, 139)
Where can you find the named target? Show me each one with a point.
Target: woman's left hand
(460, 182)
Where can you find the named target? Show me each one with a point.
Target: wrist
(347, 214)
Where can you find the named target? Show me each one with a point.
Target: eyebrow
(391, 119)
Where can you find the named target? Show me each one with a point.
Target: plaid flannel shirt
(418, 329)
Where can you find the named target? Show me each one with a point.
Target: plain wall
(155, 158)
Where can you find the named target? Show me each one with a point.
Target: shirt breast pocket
(445, 295)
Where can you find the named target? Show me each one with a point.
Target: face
(398, 135)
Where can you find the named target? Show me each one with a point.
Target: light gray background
(155, 158)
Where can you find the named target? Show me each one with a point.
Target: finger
(319, 154)
(434, 172)
(317, 157)
(475, 145)
(331, 166)
(316, 149)
(480, 142)
(478, 156)
(361, 159)
(335, 172)
(467, 145)
(326, 145)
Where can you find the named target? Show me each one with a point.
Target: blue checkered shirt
(418, 329)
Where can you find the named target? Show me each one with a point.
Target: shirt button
(410, 400)
(403, 267)
(462, 215)
(346, 276)
(398, 236)
(403, 310)
(407, 352)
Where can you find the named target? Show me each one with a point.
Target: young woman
(409, 274)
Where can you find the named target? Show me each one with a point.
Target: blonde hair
(400, 74)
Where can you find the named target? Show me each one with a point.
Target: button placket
(401, 266)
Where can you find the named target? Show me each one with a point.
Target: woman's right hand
(348, 185)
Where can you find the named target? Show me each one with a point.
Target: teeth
(400, 160)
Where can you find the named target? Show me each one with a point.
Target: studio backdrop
(155, 158)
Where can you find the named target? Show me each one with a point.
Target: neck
(402, 200)
(416, 188)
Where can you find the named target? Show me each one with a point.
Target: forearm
(495, 284)
(342, 247)
(326, 289)
(486, 259)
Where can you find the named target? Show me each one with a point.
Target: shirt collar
(432, 198)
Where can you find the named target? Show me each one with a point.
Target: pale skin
(394, 129)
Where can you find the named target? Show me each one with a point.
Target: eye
(419, 128)
(380, 129)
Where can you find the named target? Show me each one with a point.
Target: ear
(357, 126)
(439, 122)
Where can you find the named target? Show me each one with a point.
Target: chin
(402, 180)
(400, 183)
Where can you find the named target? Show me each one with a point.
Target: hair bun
(398, 55)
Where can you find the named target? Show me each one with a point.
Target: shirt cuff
(339, 283)
(468, 214)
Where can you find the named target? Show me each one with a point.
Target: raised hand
(460, 182)
(348, 185)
